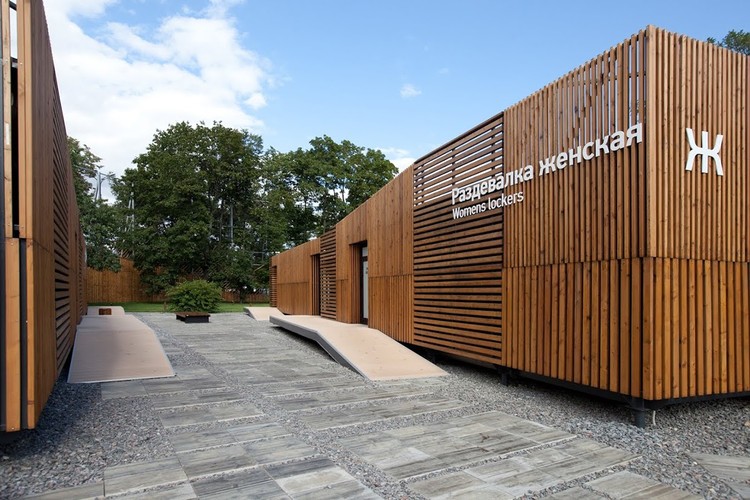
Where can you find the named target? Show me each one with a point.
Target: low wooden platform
(369, 352)
(193, 317)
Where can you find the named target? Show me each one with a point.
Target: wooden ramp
(262, 313)
(369, 352)
(116, 347)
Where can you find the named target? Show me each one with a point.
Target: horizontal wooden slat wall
(294, 278)
(389, 240)
(328, 274)
(43, 241)
(458, 261)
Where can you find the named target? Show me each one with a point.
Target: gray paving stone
(278, 450)
(187, 398)
(180, 384)
(174, 492)
(124, 389)
(458, 485)
(625, 484)
(262, 429)
(195, 440)
(141, 475)
(362, 395)
(215, 460)
(200, 414)
(309, 476)
(726, 467)
(326, 419)
(308, 386)
(576, 493)
(252, 483)
(83, 492)
(351, 490)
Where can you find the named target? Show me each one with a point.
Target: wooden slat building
(42, 256)
(595, 234)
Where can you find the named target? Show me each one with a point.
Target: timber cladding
(627, 267)
(597, 233)
(458, 252)
(43, 258)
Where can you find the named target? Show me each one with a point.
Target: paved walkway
(250, 414)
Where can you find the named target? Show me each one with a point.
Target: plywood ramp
(369, 352)
(116, 347)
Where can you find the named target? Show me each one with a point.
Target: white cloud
(119, 86)
(401, 158)
(408, 91)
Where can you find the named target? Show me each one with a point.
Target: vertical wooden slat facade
(678, 296)
(43, 261)
(619, 257)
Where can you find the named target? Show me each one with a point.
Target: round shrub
(195, 296)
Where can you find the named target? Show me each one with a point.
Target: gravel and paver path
(255, 412)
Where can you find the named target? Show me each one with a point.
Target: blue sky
(401, 76)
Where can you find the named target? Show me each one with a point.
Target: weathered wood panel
(458, 252)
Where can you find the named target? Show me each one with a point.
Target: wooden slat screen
(273, 285)
(328, 274)
(43, 294)
(594, 210)
(458, 262)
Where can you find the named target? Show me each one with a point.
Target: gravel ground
(80, 434)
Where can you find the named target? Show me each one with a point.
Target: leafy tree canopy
(738, 41)
(194, 194)
(100, 222)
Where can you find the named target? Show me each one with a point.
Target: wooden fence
(125, 285)
(596, 234)
(42, 257)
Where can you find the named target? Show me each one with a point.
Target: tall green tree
(191, 202)
(100, 222)
(343, 176)
(737, 40)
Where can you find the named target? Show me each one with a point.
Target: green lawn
(131, 307)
